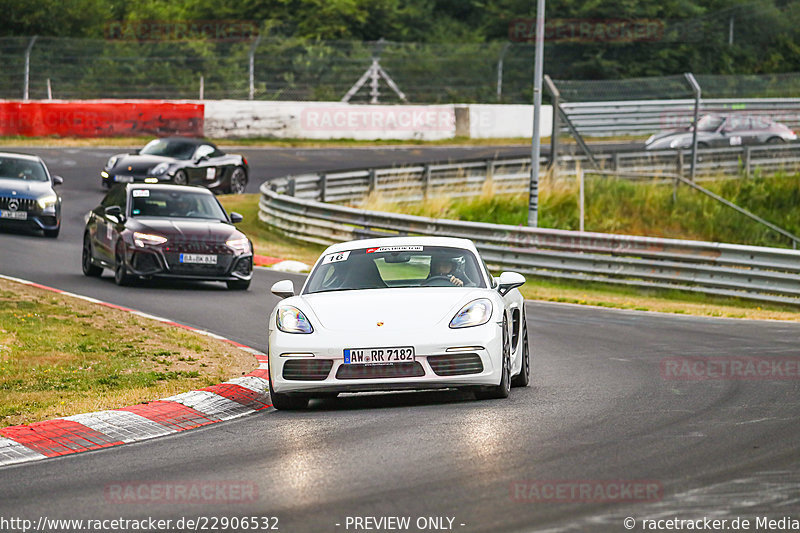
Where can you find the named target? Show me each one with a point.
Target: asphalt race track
(599, 411)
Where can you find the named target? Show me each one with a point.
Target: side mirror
(200, 159)
(114, 211)
(135, 152)
(236, 217)
(57, 180)
(508, 281)
(283, 289)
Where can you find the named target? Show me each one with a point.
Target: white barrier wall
(337, 120)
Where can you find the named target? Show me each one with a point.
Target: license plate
(203, 259)
(378, 356)
(14, 215)
(123, 179)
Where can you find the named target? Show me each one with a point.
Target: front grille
(244, 266)
(456, 364)
(397, 370)
(307, 369)
(197, 247)
(24, 204)
(196, 269)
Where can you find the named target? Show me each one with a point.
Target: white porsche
(400, 313)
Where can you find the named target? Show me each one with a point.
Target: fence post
(581, 194)
(26, 91)
(373, 180)
(747, 162)
(253, 66)
(203, 87)
(323, 187)
(426, 181)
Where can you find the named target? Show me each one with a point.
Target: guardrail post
(323, 187)
(426, 181)
(373, 180)
(679, 163)
(489, 170)
(616, 161)
(291, 187)
(747, 162)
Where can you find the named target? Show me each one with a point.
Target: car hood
(397, 309)
(139, 164)
(24, 188)
(663, 140)
(186, 229)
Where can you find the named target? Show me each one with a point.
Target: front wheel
(504, 387)
(523, 378)
(89, 268)
(238, 181)
(180, 178)
(121, 276)
(285, 402)
(238, 285)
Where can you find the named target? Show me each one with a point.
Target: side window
(204, 150)
(115, 196)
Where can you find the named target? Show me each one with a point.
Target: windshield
(170, 204)
(169, 148)
(13, 168)
(709, 123)
(396, 267)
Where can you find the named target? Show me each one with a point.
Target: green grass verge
(61, 356)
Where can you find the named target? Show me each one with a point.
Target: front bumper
(158, 262)
(321, 367)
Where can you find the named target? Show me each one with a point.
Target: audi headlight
(159, 169)
(240, 246)
(475, 313)
(112, 161)
(144, 239)
(47, 201)
(292, 320)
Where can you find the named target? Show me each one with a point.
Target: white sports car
(400, 313)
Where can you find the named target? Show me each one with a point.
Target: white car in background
(401, 313)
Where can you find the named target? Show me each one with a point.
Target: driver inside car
(446, 268)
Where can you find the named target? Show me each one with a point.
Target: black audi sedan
(182, 161)
(28, 198)
(142, 231)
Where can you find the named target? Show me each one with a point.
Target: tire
(89, 269)
(52, 233)
(524, 377)
(121, 276)
(501, 390)
(775, 140)
(702, 146)
(285, 402)
(180, 178)
(238, 182)
(238, 285)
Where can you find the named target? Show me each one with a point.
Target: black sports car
(28, 198)
(182, 161)
(167, 231)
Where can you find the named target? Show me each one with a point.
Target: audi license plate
(201, 259)
(123, 179)
(378, 356)
(14, 215)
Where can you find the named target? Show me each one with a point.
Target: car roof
(167, 187)
(197, 141)
(18, 155)
(451, 242)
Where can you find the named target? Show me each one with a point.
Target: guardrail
(642, 117)
(510, 176)
(758, 273)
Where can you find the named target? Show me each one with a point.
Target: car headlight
(650, 139)
(112, 161)
(475, 313)
(240, 246)
(678, 143)
(47, 201)
(292, 320)
(159, 169)
(145, 239)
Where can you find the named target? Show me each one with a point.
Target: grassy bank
(636, 208)
(61, 356)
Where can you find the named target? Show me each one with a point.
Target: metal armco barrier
(641, 117)
(758, 273)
